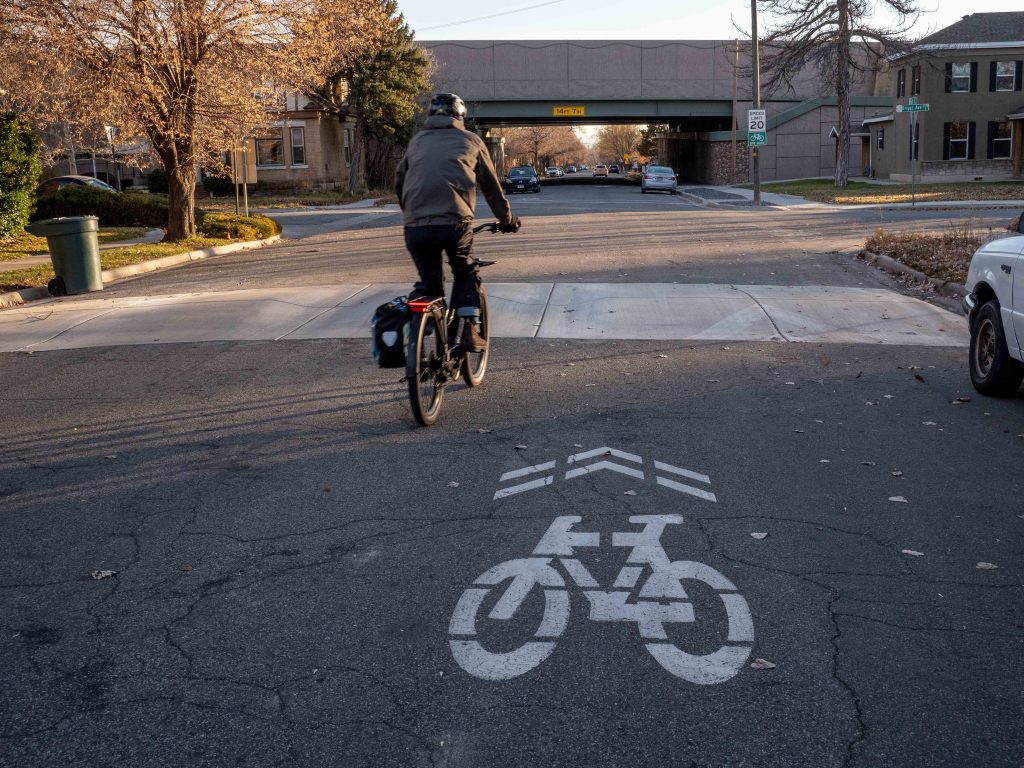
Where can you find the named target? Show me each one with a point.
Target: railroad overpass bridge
(696, 87)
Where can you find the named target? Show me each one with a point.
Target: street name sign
(757, 133)
(912, 107)
(568, 111)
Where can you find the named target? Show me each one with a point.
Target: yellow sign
(568, 112)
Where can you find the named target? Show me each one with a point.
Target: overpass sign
(757, 127)
(574, 111)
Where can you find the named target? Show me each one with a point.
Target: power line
(491, 16)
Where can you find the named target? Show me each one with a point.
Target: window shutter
(991, 76)
(974, 77)
(970, 140)
(1019, 76)
(991, 139)
(945, 141)
(949, 78)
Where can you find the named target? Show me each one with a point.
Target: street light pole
(756, 55)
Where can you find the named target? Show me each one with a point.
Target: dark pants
(426, 245)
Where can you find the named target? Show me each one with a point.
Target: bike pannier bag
(389, 323)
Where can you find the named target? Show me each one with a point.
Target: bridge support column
(496, 146)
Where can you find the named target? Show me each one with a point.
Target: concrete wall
(602, 69)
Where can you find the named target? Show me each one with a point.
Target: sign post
(755, 55)
(913, 108)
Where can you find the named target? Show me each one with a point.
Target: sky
(610, 19)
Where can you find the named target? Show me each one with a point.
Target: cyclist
(436, 185)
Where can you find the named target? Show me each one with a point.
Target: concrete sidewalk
(658, 311)
(733, 195)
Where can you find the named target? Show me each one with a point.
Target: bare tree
(617, 141)
(193, 76)
(542, 143)
(840, 40)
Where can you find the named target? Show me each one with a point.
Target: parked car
(522, 179)
(659, 177)
(59, 182)
(613, 169)
(600, 170)
(571, 169)
(554, 172)
(995, 315)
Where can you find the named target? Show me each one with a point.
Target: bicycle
(648, 592)
(436, 356)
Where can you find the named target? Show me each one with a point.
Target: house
(307, 145)
(970, 76)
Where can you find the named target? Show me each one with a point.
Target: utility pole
(756, 64)
(735, 125)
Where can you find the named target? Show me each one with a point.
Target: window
(958, 141)
(901, 84)
(915, 80)
(298, 146)
(961, 77)
(348, 147)
(1000, 140)
(270, 149)
(1004, 75)
(881, 138)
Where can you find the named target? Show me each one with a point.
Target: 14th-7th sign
(757, 127)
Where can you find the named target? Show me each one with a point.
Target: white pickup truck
(995, 313)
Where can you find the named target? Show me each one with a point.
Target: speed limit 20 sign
(757, 133)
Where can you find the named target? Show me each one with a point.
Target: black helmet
(448, 104)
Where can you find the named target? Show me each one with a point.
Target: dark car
(613, 169)
(522, 179)
(59, 182)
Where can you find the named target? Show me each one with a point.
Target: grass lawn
(824, 191)
(13, 280)
(298, 199)
(12, 249)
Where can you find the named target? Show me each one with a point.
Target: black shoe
(472, 341)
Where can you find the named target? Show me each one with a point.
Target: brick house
(308, 145)
(970, 74)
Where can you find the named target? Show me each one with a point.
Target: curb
(945, 287)
(25, 295)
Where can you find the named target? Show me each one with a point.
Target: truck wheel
(993, 371)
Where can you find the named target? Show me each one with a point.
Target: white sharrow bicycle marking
(661, 600)
(604, 465)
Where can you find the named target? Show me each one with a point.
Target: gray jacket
(437, 178)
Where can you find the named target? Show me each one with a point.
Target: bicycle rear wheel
(474, 364)
(424, 367)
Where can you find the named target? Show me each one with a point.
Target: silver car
(659, 177)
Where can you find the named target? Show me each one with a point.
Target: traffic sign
(757, 123)
(912, 107)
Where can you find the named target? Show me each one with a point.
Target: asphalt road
(288, 551)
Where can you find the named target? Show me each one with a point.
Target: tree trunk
(843, 66)
(181, 200)
(355, 171)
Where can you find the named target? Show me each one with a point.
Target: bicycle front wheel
(474, 364)
(424, 367)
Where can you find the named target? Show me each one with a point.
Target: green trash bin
(74, 251)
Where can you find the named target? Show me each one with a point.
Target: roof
(977, 28)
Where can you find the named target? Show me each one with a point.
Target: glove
(512, 226)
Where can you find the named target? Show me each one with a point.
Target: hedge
(124, 209)
(19, 173)
(232, 227)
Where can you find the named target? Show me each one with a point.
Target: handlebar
(492, 226)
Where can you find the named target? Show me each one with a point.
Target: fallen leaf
(484, 431)
(590, 385)
(961, 400)
(112, 456)
(919, 377)
(661, 356)
(887, 397)
(859, 374)
(899, 499)
(868, 402)
(520, 447)
(577, 445)
(798, 431)
(928, 423)
(824, 461)
(791, 383)
(327, 489)
(571, 365)
(187, 568)
(896, 473)
(986, 566)
(867, 463)
(629, 493)
(912, 552)
(712, 381)
(759, 536)
(100, 575)
(762, 664)
(452, 484)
